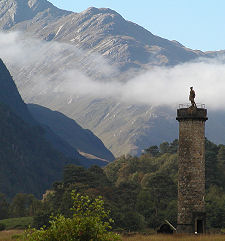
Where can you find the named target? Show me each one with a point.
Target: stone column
(191, 170)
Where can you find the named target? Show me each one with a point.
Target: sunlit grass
(7, 235)
(174, 238)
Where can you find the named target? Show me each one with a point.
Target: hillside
(101, 45)
(15, 11)
(32, 156)
(81, 139)
(28, 163)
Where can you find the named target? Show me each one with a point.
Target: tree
(90, 221)
(164, 147)
(152, 150)
(162, 190)
(4, 207)
(215, 207)
(24, 205)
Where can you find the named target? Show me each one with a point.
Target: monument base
(196, 227)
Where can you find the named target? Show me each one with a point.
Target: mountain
(10, 97)
(32, 156)
(126, 44)
(100, 44)
(28, 163)
(81, 139)
(16, 11)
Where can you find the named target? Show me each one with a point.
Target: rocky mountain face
(125, 44)
(15, 11)
(100, 44)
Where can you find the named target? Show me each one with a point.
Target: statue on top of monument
(192, 97)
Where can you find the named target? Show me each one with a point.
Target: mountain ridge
(131, 49)
(15, 11)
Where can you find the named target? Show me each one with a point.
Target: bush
(2, 226)
(90, 221)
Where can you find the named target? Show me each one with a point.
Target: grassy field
(174, 238)
(10, 235)
(17, 223)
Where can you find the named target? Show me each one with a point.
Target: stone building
(191, 170)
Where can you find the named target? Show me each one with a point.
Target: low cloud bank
(57, 67)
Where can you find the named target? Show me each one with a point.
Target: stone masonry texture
(191, 167)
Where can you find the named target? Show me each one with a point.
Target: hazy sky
(197, 24)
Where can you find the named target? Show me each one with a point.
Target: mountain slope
(81, 139)
(32, 156)
(27, 162)
(124, 46)
(16, 11)
(10, 96)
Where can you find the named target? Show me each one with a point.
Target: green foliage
(90, 221)
(141, 192)
(23, 205)
(153, 150)
(4, 207)
(2, 226)
(215, 207)
(17, 223)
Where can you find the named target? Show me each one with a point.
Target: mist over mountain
(110, 75)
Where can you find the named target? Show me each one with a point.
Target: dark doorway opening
(199, 226)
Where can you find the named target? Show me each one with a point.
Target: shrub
(2, 226)
(90, 221)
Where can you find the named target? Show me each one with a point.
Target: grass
(174, 238)
(14, 235)
(17, 223)
(8, 235)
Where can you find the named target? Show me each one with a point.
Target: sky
(197, 24)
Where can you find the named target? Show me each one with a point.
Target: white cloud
(51, 66)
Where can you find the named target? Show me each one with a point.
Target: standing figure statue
(192, 97)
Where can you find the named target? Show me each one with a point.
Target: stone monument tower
(191, 167)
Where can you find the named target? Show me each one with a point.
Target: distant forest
(141, 192)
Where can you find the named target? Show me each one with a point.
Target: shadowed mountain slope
(81, 139)
(28, 163)
(32, 156)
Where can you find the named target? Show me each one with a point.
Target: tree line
(141, 192)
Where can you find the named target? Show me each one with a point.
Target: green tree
(215, 207)
(162, 190)
(164, 147)
(24, 205)
(90, 221)
(152, 150)
(174, 146)
(4, 207)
